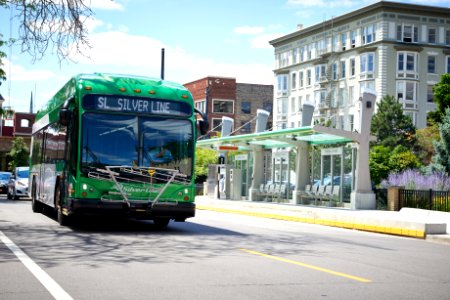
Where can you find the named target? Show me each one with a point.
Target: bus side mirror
(65, 116)
(203, 126)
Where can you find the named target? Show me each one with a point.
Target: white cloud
(328, 3)
(249, 30)
(106, 5)
(262, 41)
(19, 73)
(124, 53)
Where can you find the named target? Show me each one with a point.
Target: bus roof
(107, 83)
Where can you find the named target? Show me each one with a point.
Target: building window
(334, 71)
(282, 83)
(267, 106)
(216, 124)
(282, 106)
(223, 106)
(407, 65)
(343, 69)
(335, 42)
(300, 75)
(308, 77)
(321, 73)
(447, 37)
(412, 115)
(430, 96)
(294, 56)
(353, 38)
(432, 35)
(246, 127)
(368, 34)
(246, 107)
(25, 123)
(294, 80)
(201, 105)
(367, 65)
(431, 64)
(352, 67)
(293, 110)
(309, 50)
(366, 85)
(320, 97)
(283, 59)
(447, 64)
(407, 33)
(344, 41)
(351, 95)
(406, 91)
(351, 122)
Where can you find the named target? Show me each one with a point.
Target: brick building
(18, 125)
(223, 97)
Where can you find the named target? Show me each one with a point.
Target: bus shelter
(294, 146)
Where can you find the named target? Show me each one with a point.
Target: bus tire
(36, 206)
(62, 219)
(161, 222)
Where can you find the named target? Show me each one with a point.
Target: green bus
(116, 144)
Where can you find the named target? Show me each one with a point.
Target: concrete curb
(410, 229)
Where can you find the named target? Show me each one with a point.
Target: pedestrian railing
(425, 199)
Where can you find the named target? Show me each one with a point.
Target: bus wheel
(63, 220)
(161, 222)
(36, 206)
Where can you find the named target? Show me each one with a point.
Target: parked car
(4, 179)
(18, 183)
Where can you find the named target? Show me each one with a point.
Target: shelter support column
(302, 170)
(258, 173)
(362, 197)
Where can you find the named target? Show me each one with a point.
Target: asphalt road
(212, 256)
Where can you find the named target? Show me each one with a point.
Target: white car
(18, 183)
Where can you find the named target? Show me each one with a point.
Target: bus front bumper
(137, 209)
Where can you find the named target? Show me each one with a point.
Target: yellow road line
(360, 279)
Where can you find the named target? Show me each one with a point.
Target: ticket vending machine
(224, 182)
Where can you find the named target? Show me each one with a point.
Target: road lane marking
(55, 290)
(360, 279)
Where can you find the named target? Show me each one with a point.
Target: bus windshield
(138, 141)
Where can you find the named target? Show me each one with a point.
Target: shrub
(414, 180)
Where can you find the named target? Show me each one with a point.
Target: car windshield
(129, 140)
(23, 173)
(4, 176)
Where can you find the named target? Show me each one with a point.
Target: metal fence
(425, 199)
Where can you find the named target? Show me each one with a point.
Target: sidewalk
(408, 222)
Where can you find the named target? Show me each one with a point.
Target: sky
(200, 38)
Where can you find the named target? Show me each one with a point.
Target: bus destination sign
(136, 105)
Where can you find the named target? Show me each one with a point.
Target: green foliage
(391, 126)
(441, 160)
(386, 160)
(402, 159)
(19, 154)
(378, 163)
(204, 158)
(424, 148)
(441, 93)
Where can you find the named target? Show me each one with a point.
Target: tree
(441, 160)
(58, 24)
(19, 154)
(205, 157)
(391, 126)
(424, 145)
(441, 95)
(379, 163)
